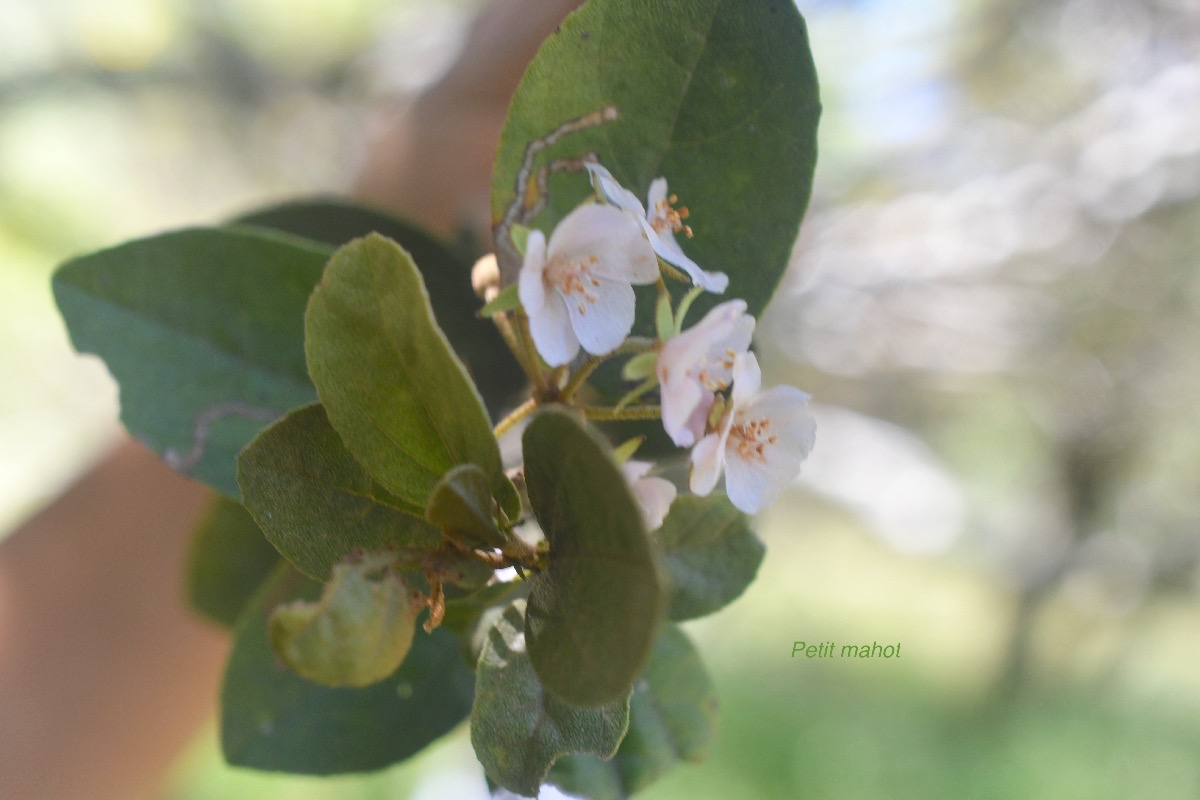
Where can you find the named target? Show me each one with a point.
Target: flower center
(714, 372)
(573, 279)
(750, 439)
(666, 217)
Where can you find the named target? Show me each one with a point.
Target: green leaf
(517, 728)
(593, 613)
(627, 449)
(273, 719)
(709, 554)
(359, 631)
(718, 96)
(447, 277)
(584, 776)
(391, 385)
(664, 318)
(640, 366)
(672, 718)
(318, 505)
(203, 329)
(462, 502)
(520, 237)
(508, 299)
(228, 560)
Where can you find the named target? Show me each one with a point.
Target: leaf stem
(525, 341)
(519, 348)
(516, 415)
(627, 414)
(685, 304)
(633, 344)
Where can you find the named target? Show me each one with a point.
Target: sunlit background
(994, 302)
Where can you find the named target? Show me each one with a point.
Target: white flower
(576, 289)
(660, 223)
(761, 441)
(696, 364)
(654, 495)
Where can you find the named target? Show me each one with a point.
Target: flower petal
(608, 241)
(793, 423)
(551, 329)
(698, 421)
(530, 286)
(708, 458)
(634, 470)
(747, 378)
(704, 349)
(655, 496)
(681, 398)
(603, 316)
(666, 248)
(754, 479)
(656, 194)
(613, 192)
(750, 484)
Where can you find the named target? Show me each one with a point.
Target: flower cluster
(577, 291)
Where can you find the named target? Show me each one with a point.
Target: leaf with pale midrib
(718, 96)
(203, 330)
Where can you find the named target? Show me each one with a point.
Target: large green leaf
(391, 385)
(203, 329)
(318, 505)
(447, 277)
(594, 612)
(228, 560)
(709, 554)
(273, 719)
(518, 729)
(718, 96)
(672, 718)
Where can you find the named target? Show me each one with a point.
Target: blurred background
(993, 301)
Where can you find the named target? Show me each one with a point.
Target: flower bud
(485, 278)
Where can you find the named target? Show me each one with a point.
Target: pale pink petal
(750, 485)
(757, 471)
(739, 338)
(634, 470)
(655, 496)
(680, 399)
(729, 333)
(708, 457)
(530, 286)
(668, 249)
(602, 316)
(612, 191)
(747, 378)
(792, 422)
(605, 240)
(697, 423)
(702, 350)
(552, 332)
